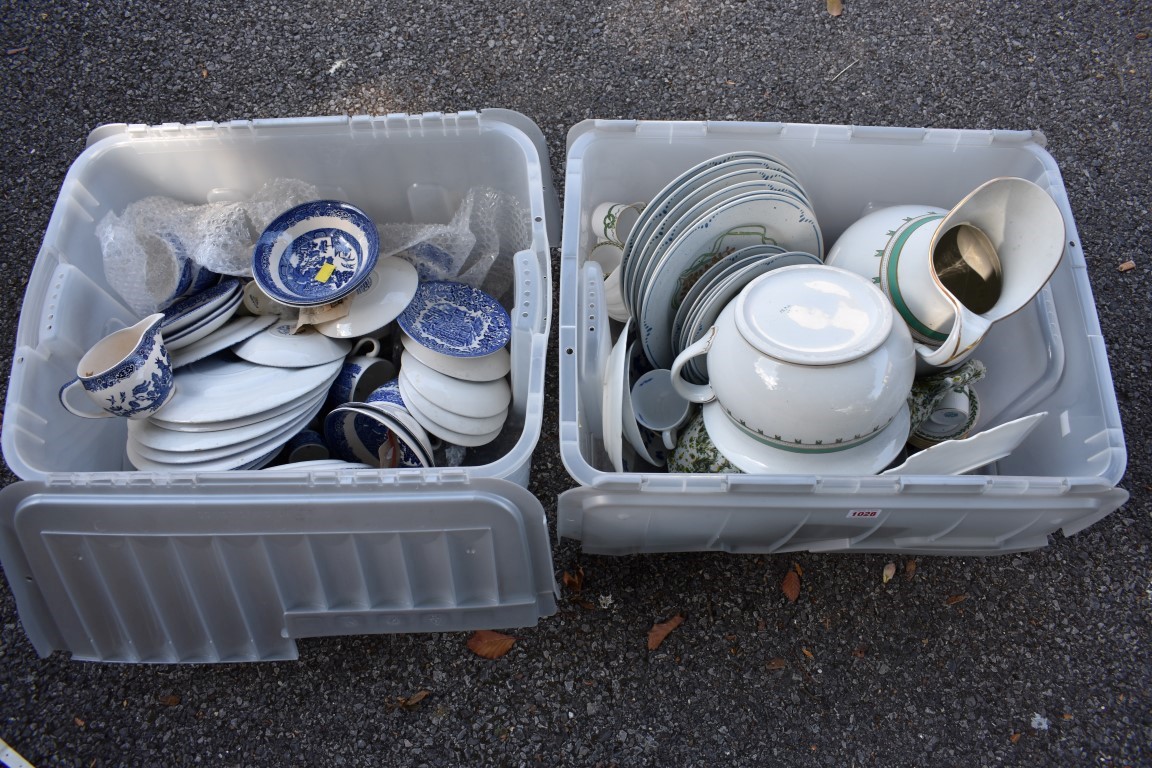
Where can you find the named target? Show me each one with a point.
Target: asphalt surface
(1048, 661)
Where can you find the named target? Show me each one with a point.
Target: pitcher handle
(967, 331)
(67, 393)
(696, 393)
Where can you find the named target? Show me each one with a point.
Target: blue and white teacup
(362, 374)
(127, 373)
(307, 445)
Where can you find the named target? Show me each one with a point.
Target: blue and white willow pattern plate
(456, 319)
(315, 253)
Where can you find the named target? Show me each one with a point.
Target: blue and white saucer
(456, 319)
(188, 311)
(315, 253)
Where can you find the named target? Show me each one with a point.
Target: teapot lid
(813, 314)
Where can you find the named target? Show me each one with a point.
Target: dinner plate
(612, 393)
(272, 438)
(756, 218)
(319, 464)
(192, 333)
(219, 389)
(486, 368)
(709, 306)
(282, 346)
(227, 424)
(752, 456)
(315, 253)
(716, 272)
(227, 335)
(456, 319)
(450, 435)
(478, 399)
(190, 310)
(445, 417)
(657, 208)
(955, 457)
(147, 433)
(701, 194)
(376, 302)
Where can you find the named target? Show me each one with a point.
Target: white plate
(451, 435)
(467, 425)
(751, 219)
(228, 453)
(666, 199)
(280, 346)
(376, 302)
(710, 305)
(694, 205)
(226, 424)
(475, 398)
(318, 464)
(219, 389)
(752, 456)
(201, 328)
(150, 435)
(190, 310)
(486, 368)
(612, 393)
(222, 338)
(725, 266)
(955, 457)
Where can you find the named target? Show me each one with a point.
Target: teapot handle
(696, 393)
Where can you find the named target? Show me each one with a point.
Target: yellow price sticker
(325, 272)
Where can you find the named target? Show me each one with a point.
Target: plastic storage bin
(120, 565)
(1048, 357)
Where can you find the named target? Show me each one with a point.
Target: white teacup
(658, 406)
(613, 222)
(363, 372)
(127, 373)
(806, 359)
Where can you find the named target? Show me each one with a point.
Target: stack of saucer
(454, 368)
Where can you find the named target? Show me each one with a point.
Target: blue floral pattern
(145, 396)
(456, 319)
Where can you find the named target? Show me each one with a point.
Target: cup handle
(67, 393)
(669, 436)
(373, 343)
(696, 393)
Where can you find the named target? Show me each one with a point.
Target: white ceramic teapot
(952, 274)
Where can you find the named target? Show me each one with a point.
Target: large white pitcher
(952, 274)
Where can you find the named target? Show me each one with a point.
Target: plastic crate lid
(161, 575)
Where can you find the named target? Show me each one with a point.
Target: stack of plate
(230, 414)
(712, 210)
(190, 320)
(454, 368)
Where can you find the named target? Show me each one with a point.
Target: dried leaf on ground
(78, 721)
(1014, 738)
(660, 631)
(956, 599)
(169, 700)
(807, 653)
(490, 645)
(776, 664)
(889, 572)
(860, 651)
(835, 7)
(574, 581)
(790, 586)
(1127, 266)
(415, 699)
(587, 605)
(909, 569)
(796, 567)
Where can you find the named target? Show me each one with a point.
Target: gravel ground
(1047, 661)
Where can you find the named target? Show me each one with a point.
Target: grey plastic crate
(117, 565)
(1048, 357)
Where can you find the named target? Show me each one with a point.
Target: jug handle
(696, 393)
(967, 331)
(67, 399)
